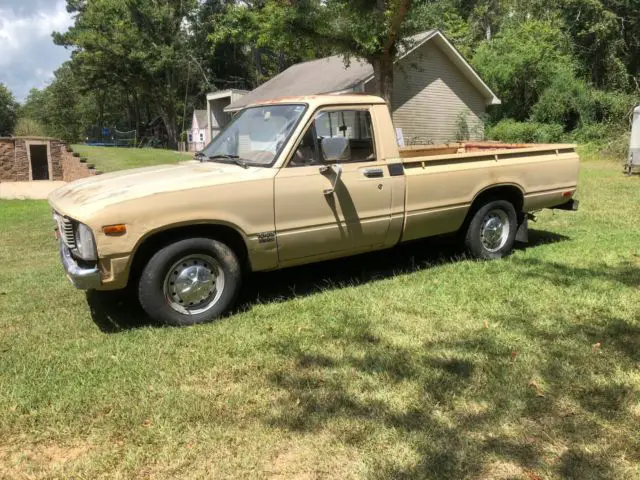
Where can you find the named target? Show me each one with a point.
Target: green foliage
(63, 109)
(512, 131)
(462, 127)
(574, 103)
(574, 63)
(8, 111)
(28, 127)
(264, 30)
(520, 63)
(605, 34)
(448, 18)
(135, 44)
(373, 31)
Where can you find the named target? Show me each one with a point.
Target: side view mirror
(335, 149)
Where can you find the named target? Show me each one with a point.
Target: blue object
(106, 132)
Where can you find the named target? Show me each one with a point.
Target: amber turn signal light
(115, 230)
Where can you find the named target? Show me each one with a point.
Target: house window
(202, 137)
(191, 138)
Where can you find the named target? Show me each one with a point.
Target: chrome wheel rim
(495, 229)
(194, 284)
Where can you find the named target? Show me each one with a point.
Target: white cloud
(28, 56)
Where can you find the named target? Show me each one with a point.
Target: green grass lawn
(402, 364)
(110, 159)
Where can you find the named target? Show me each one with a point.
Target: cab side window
(354, 125)
(307, 152)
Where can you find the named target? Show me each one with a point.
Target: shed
(199, 134)
(217, 116)
(437, 94)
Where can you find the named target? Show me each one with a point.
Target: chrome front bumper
(81, 278)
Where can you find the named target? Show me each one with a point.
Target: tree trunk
(383, 71)
(136, 101)
(169, 119)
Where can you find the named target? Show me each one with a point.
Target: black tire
(473, 239)
(151, 286)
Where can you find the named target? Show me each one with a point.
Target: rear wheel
(492, 230)
(190, 282)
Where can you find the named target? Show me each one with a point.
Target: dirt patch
(501, 470)
(18, 463)
(299, 461)
(37, 190)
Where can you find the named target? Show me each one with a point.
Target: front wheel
(190, 282)
(492, 230)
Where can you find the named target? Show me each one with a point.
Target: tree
(262, 31)
(372, 30)
(8, 111)
(605, 33)
(138, 45)
(520, 62)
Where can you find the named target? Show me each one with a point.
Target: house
(217, 102)
(206, 124)
(199, 135)
(437, 94)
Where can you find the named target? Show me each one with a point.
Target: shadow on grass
(481, 412)
(406, 258)
(472, 395)
(114, 312)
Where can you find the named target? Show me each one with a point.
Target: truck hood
(88, 195)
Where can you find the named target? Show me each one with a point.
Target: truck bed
(456, 149)
(442, 181)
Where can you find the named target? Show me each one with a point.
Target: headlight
(85, 244)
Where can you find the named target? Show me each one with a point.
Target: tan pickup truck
(290, 182)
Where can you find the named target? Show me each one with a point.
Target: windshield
(255, 136)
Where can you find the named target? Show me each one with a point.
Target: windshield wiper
(236, 159)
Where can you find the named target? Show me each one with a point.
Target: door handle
(373, 173)
(337, 170)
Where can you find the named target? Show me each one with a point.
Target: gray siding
(429, 94)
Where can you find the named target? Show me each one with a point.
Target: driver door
(314, 220)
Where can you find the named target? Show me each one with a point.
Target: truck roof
(315, 101)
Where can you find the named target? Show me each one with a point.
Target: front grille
(67, 234)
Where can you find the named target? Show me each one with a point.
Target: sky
(28, 56)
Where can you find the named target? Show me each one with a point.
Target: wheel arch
(511, 192)
(228, 234)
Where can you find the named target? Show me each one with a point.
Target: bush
(594, 133)
(608, 140)
(511, 131)
(463, 132)
(575, 104)
(520, 62)
(567, 101)
(614, 108)
(27, 127)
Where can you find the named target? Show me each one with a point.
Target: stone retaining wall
(7, 160)
(15, 163)
(74, 168)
